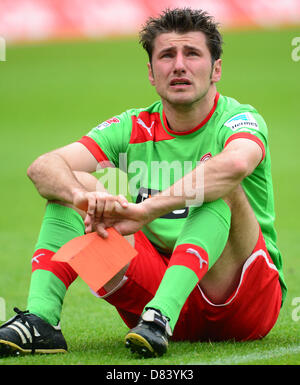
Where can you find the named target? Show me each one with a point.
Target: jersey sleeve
(247, 125)
(109, 139)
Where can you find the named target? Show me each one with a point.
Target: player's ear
(150, 74)
(216, 71)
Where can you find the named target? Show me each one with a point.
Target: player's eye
(166, 55)
(193, 53)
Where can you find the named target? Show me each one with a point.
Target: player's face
(182, 70)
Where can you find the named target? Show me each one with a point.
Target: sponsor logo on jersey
(245, 119)
(206, 157)
(107, 123)
(143, 124)
(35, 259)
(145, 193)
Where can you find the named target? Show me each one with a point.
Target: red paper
(97, 260)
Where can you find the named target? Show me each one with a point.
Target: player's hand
(128, 219)
(100, 207)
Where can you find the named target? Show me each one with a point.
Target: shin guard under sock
(50, 280)
(199, 245)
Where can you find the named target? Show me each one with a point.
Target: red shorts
(249, 313)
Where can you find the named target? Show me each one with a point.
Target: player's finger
(88, 224)
(122, 200)
(109, 208)
(119, 210)
(80, 200)
(100, 228)
(91, 205)
(100, 203)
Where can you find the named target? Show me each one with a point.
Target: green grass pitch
(52, 94)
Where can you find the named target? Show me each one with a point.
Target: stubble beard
(184, 105)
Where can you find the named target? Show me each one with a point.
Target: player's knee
(235, 197)
(90, 184)
(116, 280)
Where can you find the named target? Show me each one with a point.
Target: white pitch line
(236, 359)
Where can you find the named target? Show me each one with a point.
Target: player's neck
(183, 118)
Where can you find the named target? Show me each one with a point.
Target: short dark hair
(182, 20)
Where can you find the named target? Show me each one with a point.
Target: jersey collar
(204, 121)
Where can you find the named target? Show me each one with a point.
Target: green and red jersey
(140, 143)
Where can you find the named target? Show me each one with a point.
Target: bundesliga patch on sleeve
(241, 121)
(107, 123)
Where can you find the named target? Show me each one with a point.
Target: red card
(96, 260)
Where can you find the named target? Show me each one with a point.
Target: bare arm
(53, 177)
(221, 175)
(52, 173)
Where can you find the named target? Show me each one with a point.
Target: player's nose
(179, 64)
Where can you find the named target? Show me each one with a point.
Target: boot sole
(138, 344)
(8, 348)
